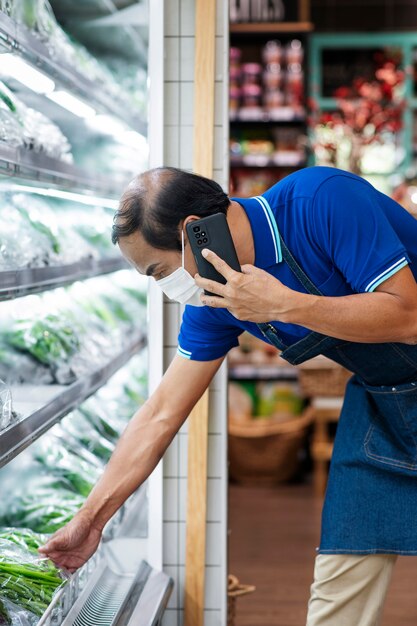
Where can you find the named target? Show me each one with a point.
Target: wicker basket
(322, 377)
(264, 451)
(234, 590)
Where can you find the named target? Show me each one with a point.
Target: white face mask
(180, 285)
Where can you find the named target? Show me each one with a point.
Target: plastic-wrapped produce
(76, 427)
(44, 508)
(7, 414)
(11, 124)
(20, 245)
(17, 367)
(26, 579)
(24, 126)
(66, 246)
(42, 135)
(70, 470)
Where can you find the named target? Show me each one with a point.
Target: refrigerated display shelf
(18, 38)
(35, 166)
(124, 590)
(117, 527)
(44, 405)
(262, 372)
(16, 283)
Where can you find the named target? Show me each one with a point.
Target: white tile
(220, 60)
(181, 585)
(213, 618)
(221, 177)
(187, 17)
(186, 147)
(219, 103)
(171, 104)
(169, 354)
(220, 147)
(170, 618)
(221, 16)
(182, 533)
(172, 58)
(170, 499)
(219, 381)
(171, 146)
(173, 572)
(216, 456)
(215, 588)
(186, 58)
(215, 499)
(186, 104)
(170, 462)
(172, 321)
(217, 412)
(172, 18)
(182, 499)
(183, 454)
(214, 543)
(170, 543)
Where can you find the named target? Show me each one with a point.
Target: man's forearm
(137, 453)
(364, 318)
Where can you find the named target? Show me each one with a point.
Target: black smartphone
(212, 232)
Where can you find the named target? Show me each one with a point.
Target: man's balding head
(157, 202)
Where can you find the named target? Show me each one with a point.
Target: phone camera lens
(196, 229)
(203, 234)
(199, 242)
(205, 240)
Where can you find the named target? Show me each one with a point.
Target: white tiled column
(178, 136)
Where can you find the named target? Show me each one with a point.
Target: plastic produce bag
(21, 245)
(7, 414)
(13, 615)
(69, 469)
(26, 579)
(11, 123)
(76, 427)
(44, 510)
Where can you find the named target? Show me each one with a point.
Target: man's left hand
(250, 295)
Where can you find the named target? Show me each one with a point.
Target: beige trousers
(349, 590)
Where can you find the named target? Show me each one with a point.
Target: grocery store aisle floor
(274, 532)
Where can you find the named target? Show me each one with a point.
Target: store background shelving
(285, 124)
(109, 31)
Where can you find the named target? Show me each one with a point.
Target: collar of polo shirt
(264, 230)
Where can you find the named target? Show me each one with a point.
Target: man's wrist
(293, 308)
(97, 515)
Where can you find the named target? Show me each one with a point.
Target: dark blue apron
(371, 497)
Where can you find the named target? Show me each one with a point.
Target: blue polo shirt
(347, 237)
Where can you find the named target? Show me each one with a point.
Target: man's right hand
(71, 546)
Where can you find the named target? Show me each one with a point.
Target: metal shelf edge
(18, 283)
(19, 162)
(19, 436)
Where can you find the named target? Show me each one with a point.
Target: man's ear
(188, 219)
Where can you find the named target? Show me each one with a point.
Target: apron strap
(297, 271)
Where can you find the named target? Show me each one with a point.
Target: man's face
(152, 261)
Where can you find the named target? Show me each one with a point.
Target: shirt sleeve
(206, 334)
(352, 229)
